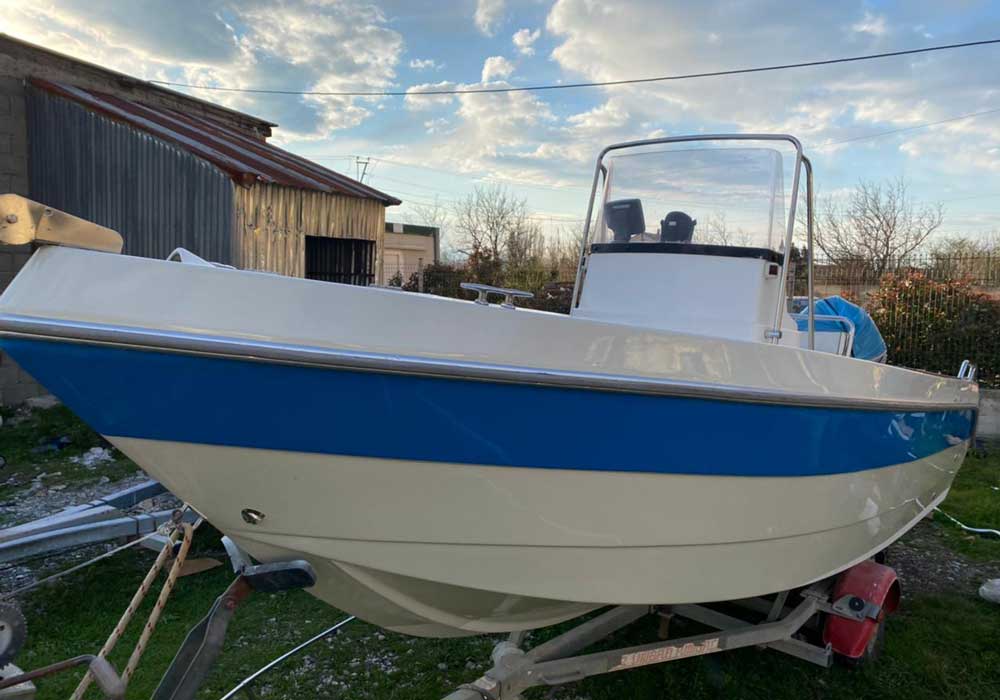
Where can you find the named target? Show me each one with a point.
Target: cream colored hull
(739, 468)
(375, 532)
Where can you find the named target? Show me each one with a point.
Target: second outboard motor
(677, 227)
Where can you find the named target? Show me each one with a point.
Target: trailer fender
(874, 584)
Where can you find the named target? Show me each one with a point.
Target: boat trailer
(848, 626)
(99, 520)
(837, 617)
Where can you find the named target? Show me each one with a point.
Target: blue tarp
(868, 342)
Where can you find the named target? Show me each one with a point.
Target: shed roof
(245, 159)
(21, 59)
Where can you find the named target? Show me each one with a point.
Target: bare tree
(972, 257)
(431, 214)
(718, 232)
(876, 225)
(492, 223)
(563, 249)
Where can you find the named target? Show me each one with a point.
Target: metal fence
(933, 310)
(859, 277)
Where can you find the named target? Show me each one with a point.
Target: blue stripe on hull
(164, 396)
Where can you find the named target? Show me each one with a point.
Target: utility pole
(361, 167)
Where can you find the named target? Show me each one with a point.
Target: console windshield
(713, 196)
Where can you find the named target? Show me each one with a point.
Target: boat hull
(442, 483)
(435, 549)
(422, 511)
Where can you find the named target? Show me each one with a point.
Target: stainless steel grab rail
(967, 371)
(814, 318)
(485, 290)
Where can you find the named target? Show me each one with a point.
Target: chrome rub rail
(16, 326)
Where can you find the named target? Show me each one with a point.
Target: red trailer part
(868, 588)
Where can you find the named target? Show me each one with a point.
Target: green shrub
(934, 325)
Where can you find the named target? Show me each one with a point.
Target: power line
(485, 178)
(907, 128)
(825, 144)
(438, 200)
(407, 199)
(435, 192)
(569, 86)
(947, 120)
(552, 218)
(410, 184)
(973, 196)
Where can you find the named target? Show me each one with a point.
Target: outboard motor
(625, 218)
(677, 227)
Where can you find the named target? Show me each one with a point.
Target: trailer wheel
(871, 653)
(858, 641)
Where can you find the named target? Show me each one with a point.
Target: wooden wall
(272, 221)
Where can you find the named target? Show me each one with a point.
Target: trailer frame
(770, 622)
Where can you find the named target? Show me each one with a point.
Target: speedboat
(455, 467)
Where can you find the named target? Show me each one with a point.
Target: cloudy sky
(541, 145)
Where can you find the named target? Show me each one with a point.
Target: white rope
(977, 530)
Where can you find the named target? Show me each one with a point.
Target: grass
(937, 646)
(975, 501)
(26, 444)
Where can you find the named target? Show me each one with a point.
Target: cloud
(821, 104)
(605, 117)
(871, 24)
(496, 67)
(524, 39)
(888, 110)
(484, 133)
(549, 138)
(489, 15)
(414, 102)
(436, 126)
(958, 148)
(829, 108)
(295, 44)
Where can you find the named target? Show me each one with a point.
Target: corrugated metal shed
(157, 195)
(272, 223)
(245, 159)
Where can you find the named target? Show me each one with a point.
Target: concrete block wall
(989, 414)
(16, 385)
(13, 137)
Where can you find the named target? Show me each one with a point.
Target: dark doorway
(344, 260)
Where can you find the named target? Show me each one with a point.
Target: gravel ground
(41, 500)
(926, 565)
